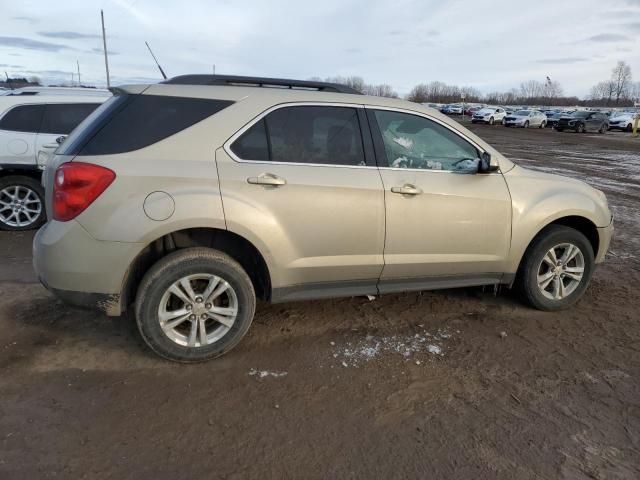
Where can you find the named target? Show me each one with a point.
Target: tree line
(619, 90)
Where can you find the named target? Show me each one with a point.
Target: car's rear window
(23, 118)
(130, 122)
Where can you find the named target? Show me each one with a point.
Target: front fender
(540, 199)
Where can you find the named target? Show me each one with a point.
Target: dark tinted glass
(131, 122)
(320, 135)
(61, 118)
(23, 118)
(252, 144)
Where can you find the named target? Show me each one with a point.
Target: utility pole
(214, 68)
(104, 44)
(79, 82)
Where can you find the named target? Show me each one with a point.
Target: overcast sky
(491, 45)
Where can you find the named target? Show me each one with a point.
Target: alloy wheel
(198, 310)
(561, 271)
(19, 206)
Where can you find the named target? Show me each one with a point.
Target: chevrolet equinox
(186, 200)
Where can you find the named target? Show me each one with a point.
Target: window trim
(368, 158)
(377, 137)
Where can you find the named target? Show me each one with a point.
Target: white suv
(30, 123)
(489, 115)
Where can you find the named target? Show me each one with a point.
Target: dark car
(584, 121)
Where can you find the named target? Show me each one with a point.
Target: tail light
(75, 186)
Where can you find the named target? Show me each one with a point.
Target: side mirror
(488, 164)
(60, 139)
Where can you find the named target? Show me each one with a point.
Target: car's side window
(304, 134)
(23, 118)
(411, 141)
(61, 118)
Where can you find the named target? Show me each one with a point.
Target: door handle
(267, 179)
(407, 189)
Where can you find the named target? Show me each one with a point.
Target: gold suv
(187, 200)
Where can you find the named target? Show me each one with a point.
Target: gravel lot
(452, 384)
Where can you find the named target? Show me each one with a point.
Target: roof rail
(203, 79)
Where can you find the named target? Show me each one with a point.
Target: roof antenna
(156, 60)
(8, 80)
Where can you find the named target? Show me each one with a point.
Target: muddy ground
(418, 385)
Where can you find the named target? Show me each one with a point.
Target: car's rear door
(19, 127)
(301, 183)
(443, 227)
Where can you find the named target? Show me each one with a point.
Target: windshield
(523, 113)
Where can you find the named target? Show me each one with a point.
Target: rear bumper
(80, 269)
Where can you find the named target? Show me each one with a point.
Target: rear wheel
(21, 203)
(556, 268)
(543, 124)
(629, 128)
(194, 305)
(526, 124)
(491, 121)
(580, 128)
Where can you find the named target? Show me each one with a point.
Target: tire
(154, 295)
(526, 124)
(502, 122)
(603, 129)
(580, 128)
(559, 129)
(543, 124)
(629, 128)
(30, 210)
(491, 121)
(534, 262)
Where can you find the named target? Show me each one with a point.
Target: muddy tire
(556, 269)
(580, 128)
(21, 203)
(194, 304)
(526, 124)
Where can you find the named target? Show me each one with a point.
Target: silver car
(526, 119)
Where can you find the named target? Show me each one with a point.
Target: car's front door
(443, 227)
(299, 183)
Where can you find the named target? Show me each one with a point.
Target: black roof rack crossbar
(203, 79)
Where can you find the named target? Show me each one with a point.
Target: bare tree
(531, 89)
(621, 79)
(382, 90)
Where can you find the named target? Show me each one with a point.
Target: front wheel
(556, 268)
(580, 128)
(603, 129)
(194, 304)
(491, 121)
(21, 203)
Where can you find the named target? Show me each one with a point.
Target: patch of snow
(353, 354)
(434, 349)
(265, 373)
